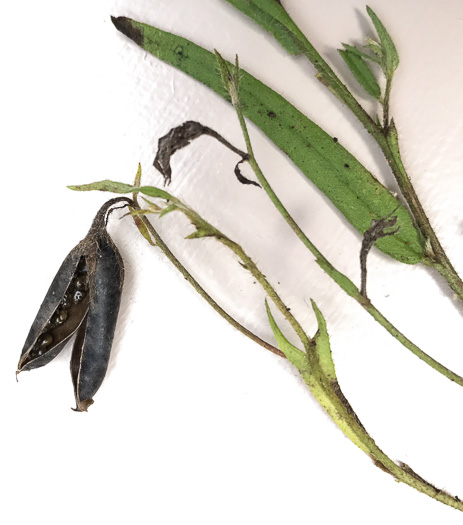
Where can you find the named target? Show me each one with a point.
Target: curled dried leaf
(180, 137)
(376, 231)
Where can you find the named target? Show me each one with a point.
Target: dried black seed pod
(84, 297)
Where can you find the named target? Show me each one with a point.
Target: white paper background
(194, 423)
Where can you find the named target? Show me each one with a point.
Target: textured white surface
(194, 423)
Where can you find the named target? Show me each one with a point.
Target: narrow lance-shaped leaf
(322, 346)
(295, 356)
(353, 190)
(362, 54)
(361, 72)
(281, 22)
(120, 187)
(271, 24)
(136, 219)
(391, 57)
(318, 371)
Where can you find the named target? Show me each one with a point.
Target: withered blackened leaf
(242, 178)
(181, 136)
(375, 231)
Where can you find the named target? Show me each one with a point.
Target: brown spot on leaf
(126, 27)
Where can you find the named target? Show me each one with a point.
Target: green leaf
(152, 206)
(338, 174)
(225, 72)
(165, 211)
(278, 14)
(376, 48)
(200, 234)
(137, 181)
(361, 72)
(359, 53)
(295, 356)
(391, 57)
(268, 21)
(120, 187)
(141, 226)
(323, 347)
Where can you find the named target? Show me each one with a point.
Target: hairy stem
(436, 256)
(186, 274)
(260, 277)
(342, 280)
(387, 96)
(438, 259)
(322, 380)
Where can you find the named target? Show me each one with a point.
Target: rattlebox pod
(84, 297)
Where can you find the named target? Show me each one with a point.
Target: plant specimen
(403, 233)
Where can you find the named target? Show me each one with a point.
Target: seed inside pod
(77, 297)
(65, 303)
(63, 322)
(43, 342)
(81, 283)
(84, 297)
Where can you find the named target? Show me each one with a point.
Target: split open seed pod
(84, 297)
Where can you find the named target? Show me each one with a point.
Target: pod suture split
(83, 299)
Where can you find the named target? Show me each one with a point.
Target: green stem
(260, 277)
(333, 401)
(210, 231)
(320, 378)
(165, 249)
(440, 261)
(342, 280)
(387, 96)
(436, 256)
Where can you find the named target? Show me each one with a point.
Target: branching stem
(342, 280)
(437, 258)
(186, 274)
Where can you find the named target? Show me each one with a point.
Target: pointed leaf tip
(391, 56)
(137, 181)
(295, 356)
(129, 28)
(361, 72)
(322, 345)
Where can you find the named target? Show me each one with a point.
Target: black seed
(81, 283)
(44, 341)
(55, 320)
(62, 316)
(77, 297)
(65, 303)
(335, 139)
